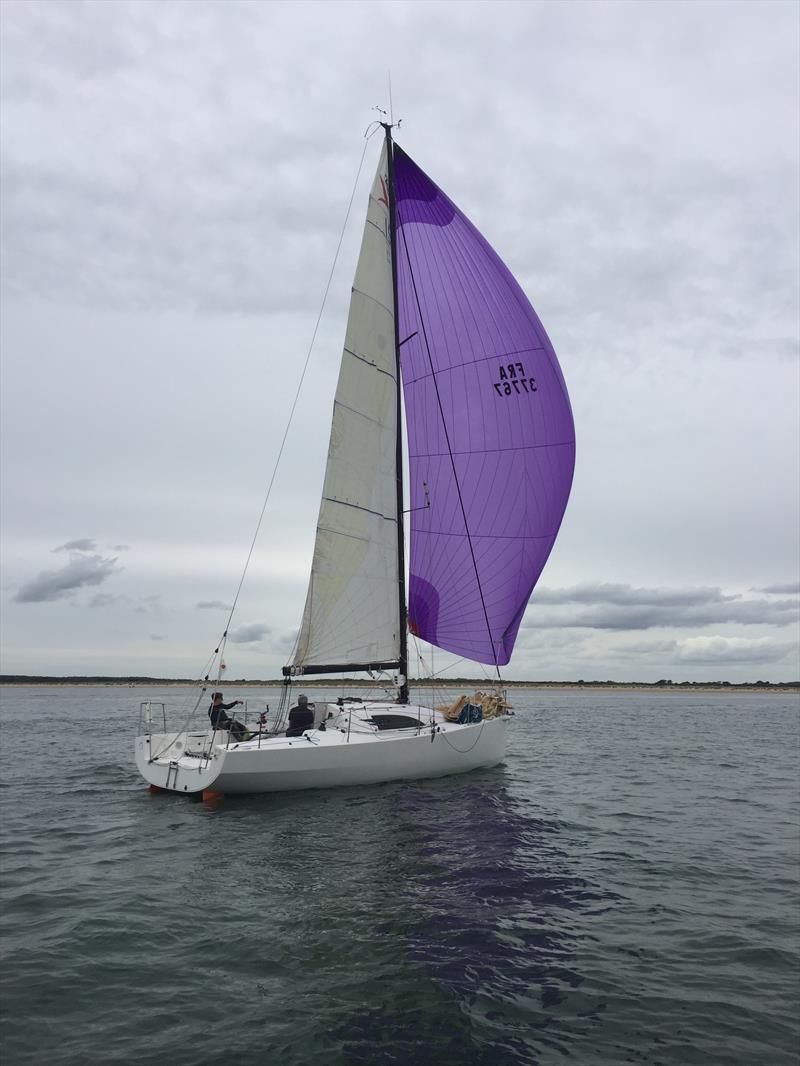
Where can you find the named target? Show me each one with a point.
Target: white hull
(329, 758)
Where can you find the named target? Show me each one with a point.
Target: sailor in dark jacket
(220, 720)
(301, 717)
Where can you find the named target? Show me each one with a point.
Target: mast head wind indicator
(385, 122)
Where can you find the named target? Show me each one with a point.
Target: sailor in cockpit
(301, 717)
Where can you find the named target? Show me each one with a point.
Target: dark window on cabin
(394, 721)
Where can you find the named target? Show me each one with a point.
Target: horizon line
(131, 679)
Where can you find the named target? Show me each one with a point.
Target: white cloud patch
(284, 643)
(212, 605)
(157, 636)
(627, 595)
(83, 544)
(149, 605)
(623, 607)
(718, 649)
(646, 648)
(109, 599)
(249, 633)
(121, 601)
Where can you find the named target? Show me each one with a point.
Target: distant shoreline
(439, 683)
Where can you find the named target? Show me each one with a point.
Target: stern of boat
(175, 762)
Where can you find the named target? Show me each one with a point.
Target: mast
(402, 696)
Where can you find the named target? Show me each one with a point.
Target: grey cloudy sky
(174, 179)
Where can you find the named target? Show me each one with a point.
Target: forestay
(352, 613)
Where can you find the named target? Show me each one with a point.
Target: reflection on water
(481, 922)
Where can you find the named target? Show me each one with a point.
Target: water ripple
(622, 890)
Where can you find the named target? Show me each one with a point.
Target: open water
(624, 889)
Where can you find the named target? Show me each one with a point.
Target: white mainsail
(352, 612)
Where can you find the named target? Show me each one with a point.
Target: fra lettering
(513, 380)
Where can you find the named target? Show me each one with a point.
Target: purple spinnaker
(490, 433)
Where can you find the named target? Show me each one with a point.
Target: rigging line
(296, 644)
(203, 682)
(222, 646)
(185, 729)
(448, 666)
(367, 137)
(283, 709)
(449, 448)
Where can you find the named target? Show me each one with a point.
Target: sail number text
(513, 380)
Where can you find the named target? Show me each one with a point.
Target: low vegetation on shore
(441, 682)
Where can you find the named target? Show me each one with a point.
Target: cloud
(84, 544)
(249, 633)
(559, 639)
(627, 595)
(621, 607)
(125, 215)
(792, 588)
(120, 547)
(81, 571)
(140, 605)
(149, 605)
(212, 605)
(109, 599)
(157, 636)
(285, 642)
(685, 651)
(646, 648)
(718, 649)
(105, 208)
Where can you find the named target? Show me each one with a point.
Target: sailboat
(437, 325)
